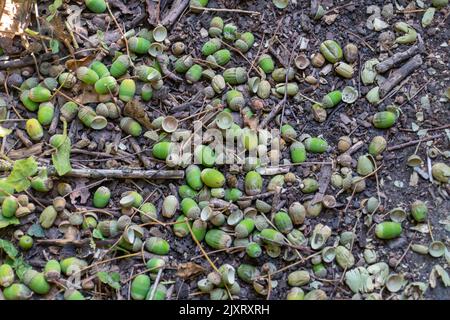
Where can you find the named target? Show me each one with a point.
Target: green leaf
(21, 267)
(4, 222)
(8, 248)
(97, 234)
(53, 8)
(61, 157)
(112, 279)
(36, 231)
(54, 46)
(22, 170)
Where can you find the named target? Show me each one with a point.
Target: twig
(225, 10)
(177, 8)
(155, 285)
(411, 143)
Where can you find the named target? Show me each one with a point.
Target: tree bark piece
(176, 10)
(25, 61)
(401, 73)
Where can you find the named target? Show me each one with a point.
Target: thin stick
(225, 10)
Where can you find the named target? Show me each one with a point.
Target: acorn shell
(331, 50)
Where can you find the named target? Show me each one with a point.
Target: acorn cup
(212, 178)
(69, 111)
(34, 129)
(157, 246)
(45, 113)
(17, 291)
(253, 183)
(36, 282)
(332, 99)
(180, 228)
(27, 102)
(106, 85)
(377, 146)
(52, 270)
(100, 69)
(194, 74)
(183, 64)
(29, 83)
(235, 76)
(86, 75)
(140, 286)
(39, 94)
(169, 124)
(9, 206)
(298, 152)
(388, 230)
(215, 27)
(67, 80)
(221, 58)
(245, 42)
(419, 211)
(235, 100)
(127, 89)
(139, 45)
(229, 32)
(384, 119)
(331, 50)
(211, 46)
(131, 126)
(96, 6)
(218, 239)
(6, 275)
(120, 66)
(316, 145)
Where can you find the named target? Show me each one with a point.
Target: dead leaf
(80, 191)
(135, 110)
(74, 64)
(251, 122)
(189, 269)
(87, 97)
(14, 17)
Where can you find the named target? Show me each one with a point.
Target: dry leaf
(251, 122)
(135, 110)
(80, 191)
(14, 16)
(74, 64)
(189, 269)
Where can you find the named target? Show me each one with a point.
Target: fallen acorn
(288, 132)
(244, 228)
(253, 183)
(297, 152)
(410, 33)
(146, 74)
(373, 96)
(45, 113)
(17, 291)
(419, 211)
(253, 250)
(69, 111)
(235, 100)
(86, 75)
(332, 99)
(101, 197)
(71, 265)
(245, 42)
(39, 94)
(27, 102)
(118, 68)
(211, 46)
(215, 27)
(365, 165)
(131, 126)
(316, 145)
(157, 245)
(36, 281)
(131, 199)
(212, 178)
(47, 217)
(247, 272)
(138, 45)
(331, 50)
(34, 129)
(283, 222)
(194, 73)
(388, 230)
(235, 76)
(67, 80)
(161, 150)
(90, 119)
(148, 212)
(229, 32)
(297, 213)
(127, 89)
(99, 68)
(170, 206)
(160, 291)
(73, 295)
(350, 52)
(190, 208)
(140, 286)
(6, 275)
(295, 293)
(9, 206)
(218, 239)
(377, 146)
(441, 172)
(199, 228)
(266, 63)
(384, 119)
(40, 183)
(106, 85)
(271, 236)
(313, 210)
(291, 89)
(218, 83)
(183, 64)
(309, 185)
(96, 6)
(298, 278)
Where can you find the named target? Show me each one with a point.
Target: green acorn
(298, 278)
(146, 74)
(215, 27)
(48, 217)
(279, 74)
(384, 119)
(221, 58)
(17, 291)
(283, 222)
(154, 264)
(266, 63)
(245, 42)
(218, 239)
(148, 211)
(183, 64)
(232, 194)
(249, 139)
(146, 92)
(295, 294)
(186, 191)
(131, 126)
(199, 228)
(316, 145)
(275, 183)
(194, 74)
(127, 89)
(100, 69)
(45, 113)
(90, 119)
(131, 199)
(331, 50)
(41, 184)
(419, 211)
(388, 230)
(230, 32)
(120, 66)
(36, 282)
(253, 250)
(157, 246)
(291, 89)
(71, 264)
(332, 99)
(377, 145)
(161, 290)
(106, 85)
(364, 166)
(139, 45)
(9, 206)
(297, 212)
(39, 94)
(6, 275)
(193, 177)
(52, 270)
(190, 208)
(67, 80)
(87, 75)
(264, 89)
(27, 102)
(298, 152)
(235, 76)
(140, 286)
(181, 229)
(235, 100)
(253, 183)
(161, 150)
(205, 155)
(69, 110)
(73, 295)
(211, 46)
(247, 273)
(212, 178)
(288, 132)
(34, 129)
(29, 83)
(101, 197)
(96, 6)
(108, 109)
(244, 228)
(271, 236)
(170, 206)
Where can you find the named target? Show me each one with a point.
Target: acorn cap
(169, 124)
